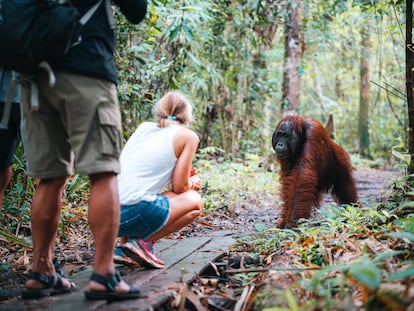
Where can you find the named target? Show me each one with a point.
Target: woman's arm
(185, 146)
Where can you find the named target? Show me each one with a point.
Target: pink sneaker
(142, 252)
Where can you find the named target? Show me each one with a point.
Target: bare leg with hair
(46, 205)
(103, 218)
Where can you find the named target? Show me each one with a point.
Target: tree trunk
(364, 93)
(224, 115)
(271, 14)
(293, 56)
(409, 62)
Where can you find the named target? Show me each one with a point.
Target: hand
(195, 182)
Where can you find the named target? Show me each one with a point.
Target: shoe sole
(140, 257)
(150, 254)
(124, 260)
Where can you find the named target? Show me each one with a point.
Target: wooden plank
(183, 259)
(159, 285)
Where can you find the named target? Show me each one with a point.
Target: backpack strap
(110, 14)
(87, 16)
(92, 10)
(34, 92)
(4, 123)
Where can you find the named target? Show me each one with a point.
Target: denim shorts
(144, 219)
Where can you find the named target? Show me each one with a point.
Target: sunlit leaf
(401, 235)
(260, 227)
(409, 204)
(367, 274)
(406, 273)
(405, 157)
(293, 305)
(385, 255)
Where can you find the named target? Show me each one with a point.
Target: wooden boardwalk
(183, 260)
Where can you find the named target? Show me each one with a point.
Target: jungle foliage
(227, 56)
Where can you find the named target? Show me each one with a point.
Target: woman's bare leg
(185, 207)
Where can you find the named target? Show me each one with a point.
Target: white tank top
(147, 163)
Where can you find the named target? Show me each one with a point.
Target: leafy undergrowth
(231, 184)
(344, 258)
(74, 243)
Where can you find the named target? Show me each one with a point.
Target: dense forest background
(246, 63)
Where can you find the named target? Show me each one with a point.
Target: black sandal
(53, 286)
(110, 282)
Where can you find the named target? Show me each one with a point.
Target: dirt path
(372, 186)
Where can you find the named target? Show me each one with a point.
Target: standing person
(11, 130)
(78, 124)
(158, 154)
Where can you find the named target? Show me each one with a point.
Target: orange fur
(319, 166)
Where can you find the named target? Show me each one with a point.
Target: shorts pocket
(133, 226)
(109, 119)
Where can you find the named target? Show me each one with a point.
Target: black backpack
(36, 31)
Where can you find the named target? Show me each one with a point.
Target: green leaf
(407, 205)
(367, 274)
(405, 157)
(383, 256)
(291, 301)
(4, 267)
(409, 272)
(14, 238)
(260, 227)
(402, 235)
(175, 30)
(189, 32)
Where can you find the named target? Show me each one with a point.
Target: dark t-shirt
(93, 57)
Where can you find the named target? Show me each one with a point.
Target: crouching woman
(157, 155)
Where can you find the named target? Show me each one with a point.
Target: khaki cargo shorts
(78, 125)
